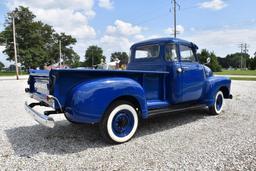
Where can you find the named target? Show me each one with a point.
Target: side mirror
(208, 60)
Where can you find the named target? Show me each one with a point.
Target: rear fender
(88, 101)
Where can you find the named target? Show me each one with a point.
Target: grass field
(10, 73)
(237, 72)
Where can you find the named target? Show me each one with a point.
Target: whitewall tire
(217, 108)
(120, 122)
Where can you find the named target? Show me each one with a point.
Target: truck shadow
(68, 138)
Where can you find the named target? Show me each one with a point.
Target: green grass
(3, 73)
(237, 72)
(243, 78)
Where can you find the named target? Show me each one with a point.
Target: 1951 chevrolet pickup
(163, 76)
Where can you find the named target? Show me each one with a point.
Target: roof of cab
(162, 40)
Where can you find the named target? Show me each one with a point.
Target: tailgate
(39, 84)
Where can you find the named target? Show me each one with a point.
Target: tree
(223, 62)
(234, 60)
(69, 56)
(93, 56)
(1, 65)
(252, 63)
(37, 43)
(122, 56)
(214, 65)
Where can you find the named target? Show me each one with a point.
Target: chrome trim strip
(170, 110)
(40, 118)
(39, 74)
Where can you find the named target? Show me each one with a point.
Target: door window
(186, 54)
(170, 52)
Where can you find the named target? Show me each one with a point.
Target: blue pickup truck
(163, 76)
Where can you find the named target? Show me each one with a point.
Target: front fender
(212, 86)
(89, 100)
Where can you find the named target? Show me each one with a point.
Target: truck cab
(186, 78)
(163, 76)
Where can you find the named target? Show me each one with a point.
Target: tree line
(238, 60)
(234, 61)
(38, 44)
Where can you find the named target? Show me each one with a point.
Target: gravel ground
(191, 140)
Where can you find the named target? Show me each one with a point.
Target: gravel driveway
(190, 140)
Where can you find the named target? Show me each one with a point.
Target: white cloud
(139, 37)
(107, 4)
(69, 16)
(111, 29)
(112, 44)
(120, 36)
(123, 28)
(170, 30)
(224, 41)
(213, 4)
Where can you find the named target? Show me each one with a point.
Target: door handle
(182, 69)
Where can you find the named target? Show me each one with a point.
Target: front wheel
(119, 123)
(217, 108)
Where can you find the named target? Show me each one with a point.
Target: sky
(217, 25)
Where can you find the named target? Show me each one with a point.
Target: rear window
(149, 51)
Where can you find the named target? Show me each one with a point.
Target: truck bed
(59, 82)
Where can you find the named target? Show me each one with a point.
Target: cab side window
(186, 54)
(170, 52)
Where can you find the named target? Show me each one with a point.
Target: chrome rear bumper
(40, 118)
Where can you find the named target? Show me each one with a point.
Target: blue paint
(152, 83)
(219, 102)
(123, 123)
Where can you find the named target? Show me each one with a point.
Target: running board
(172, 109)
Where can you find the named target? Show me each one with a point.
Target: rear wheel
(119, 123)
(217, 108)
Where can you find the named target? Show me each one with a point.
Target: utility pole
(175, 4)
(245, 52)
(60, 52)
(174, 19)
(92, 58)
(241, 58)
(15, 48)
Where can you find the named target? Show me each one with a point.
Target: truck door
(191, 74)
(175, 78)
